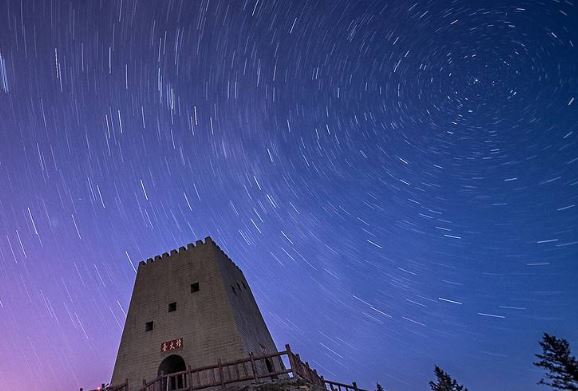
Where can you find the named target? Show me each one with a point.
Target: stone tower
(189, 308)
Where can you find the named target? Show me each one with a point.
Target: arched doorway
(173, 364)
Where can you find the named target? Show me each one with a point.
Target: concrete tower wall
(213, 322)
(248, 319)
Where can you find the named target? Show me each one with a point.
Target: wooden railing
(119, 387)
(252, 369)
(334, 386)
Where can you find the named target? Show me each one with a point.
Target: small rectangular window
(148, 326)
(233, 288)
(172, 307)
(194, 287)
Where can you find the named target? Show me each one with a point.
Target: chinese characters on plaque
(175, 344)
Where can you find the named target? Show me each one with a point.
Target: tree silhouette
(379, 387)
(561, 367)
(445, 382)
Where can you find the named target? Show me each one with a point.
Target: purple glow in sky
(398, 180)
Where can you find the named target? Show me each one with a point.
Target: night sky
(398, 180)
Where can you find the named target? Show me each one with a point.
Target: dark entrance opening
(269, 365)
(270, 368)
(174, 369)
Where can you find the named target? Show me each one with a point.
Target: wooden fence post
(317, 378)
(299, 365)
(291, 358)
(221, 376)
(309, 377)
(237, 375)
(254, 367)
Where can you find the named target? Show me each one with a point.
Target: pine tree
(379, 387)
(561, 367)
(445, 382)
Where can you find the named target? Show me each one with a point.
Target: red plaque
(169, 346)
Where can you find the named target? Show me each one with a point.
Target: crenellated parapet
(191, 247)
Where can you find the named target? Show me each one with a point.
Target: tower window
(172, 307)
(233, 288)
(244, 286)
(194, 287)
(239, 286)
(149, 326)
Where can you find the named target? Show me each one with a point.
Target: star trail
(398, 180)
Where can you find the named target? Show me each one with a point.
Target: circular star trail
(398, 180)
